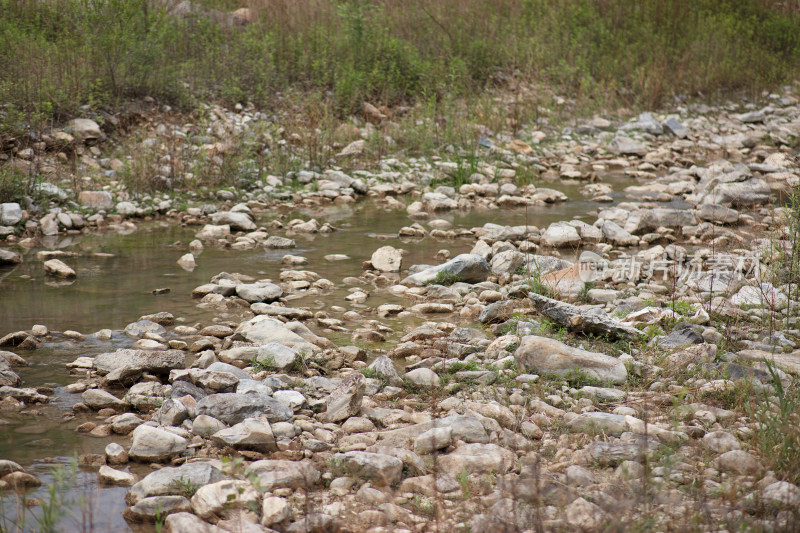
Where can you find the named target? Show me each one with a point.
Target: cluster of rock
(476, 413)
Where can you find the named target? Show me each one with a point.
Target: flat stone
(382, 470)
(345, 400)
(542, 354)
(112, 476)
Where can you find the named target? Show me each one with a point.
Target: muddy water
(116, 277)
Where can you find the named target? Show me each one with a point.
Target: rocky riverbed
(410, 347)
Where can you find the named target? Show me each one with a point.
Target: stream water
(116, 276)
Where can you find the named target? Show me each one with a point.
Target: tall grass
(56, 55)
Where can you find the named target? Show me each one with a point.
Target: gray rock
(721, 441)
(606, 423)
(626, 146)
(345, 400)
(578, 320)
(171, 413)
(387, 259)
(542, 354)
(10, 214)
(147, 395)
(279, 242)
(679, 337)
(263, 329)
(155, 362)
(739, 462)
(57, 268)
(96, 199)
(125, 423)
(8, 377)
(615, 234)
(155, 445)
(275, 474)
(259, 292)
(675, 128)
(477, 459)
(233, 408)
(277, 356)
(381, 470)
(210, 232)
(468, 268)
(184, 521)
(236, 221)
(126, 209)
(383, 368)
(84, 130)
(424, 377)
(9, 257)
(561, 235)
(781, 493)
(223, 498)
(250, 434)
(747, 193)
(100, 399)
(147, 509)
(718, 214)
(292, 313)
(434, 439)
(142, 327)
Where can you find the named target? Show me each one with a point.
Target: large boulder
(263, 329)
(251, 434)
(85, 130)
(235, 220)
(541, 354)
(155, 445)
(261, 291)
(168, 480)
(469, 268)
(96, 199)
(233, 408)
(10, 214)
(561, 235)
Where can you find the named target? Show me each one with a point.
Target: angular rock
(155, 445)
(477, 459)
(382, 470)
(233, 408)
(468, 268)
(220, 499)
(99, 399)
(275, 474)
(155, 362)
(57, 268)
(586, 321)
(542, 354)
(251, 434)
(170, 480)
(96, 199)
(345, 400)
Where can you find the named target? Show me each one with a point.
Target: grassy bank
(58, 55)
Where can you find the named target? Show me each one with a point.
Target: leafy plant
(443, 277)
